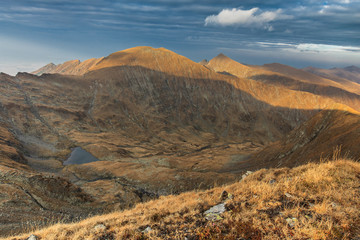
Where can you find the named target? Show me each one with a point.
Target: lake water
(80, 156)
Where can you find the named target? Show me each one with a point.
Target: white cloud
(329, 8)
(296, 54)
(33, 9)
(309, 47)
(271, 45)
(318, 54)
(249, 18)
(143, 8)
(333, 2)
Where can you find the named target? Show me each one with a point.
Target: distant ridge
(72, 67)
(351, 73)
(159, 59)
(45, 69)
(276, 74)
(166, 61)
(352, 69)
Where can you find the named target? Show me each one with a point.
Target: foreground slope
(314, 201)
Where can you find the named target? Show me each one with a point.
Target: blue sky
(298, 33)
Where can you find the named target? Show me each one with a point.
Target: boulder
(100, 227)
(33, 237)
(213, 213)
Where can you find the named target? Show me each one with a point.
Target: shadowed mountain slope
(346, 92)
(340, 75)
(309, 77)
(311, 141)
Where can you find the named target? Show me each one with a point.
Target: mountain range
(158, 123)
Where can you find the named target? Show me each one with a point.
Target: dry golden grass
(323, 199)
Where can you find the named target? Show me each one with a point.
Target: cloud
(330, 8)
(253, 17)
(96, 28)
(310, 47)
(296, 54)
(33, 9)
(143, 8)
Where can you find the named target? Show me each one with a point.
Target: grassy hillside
(313, 201)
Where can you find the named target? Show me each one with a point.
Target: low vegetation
(313, 201)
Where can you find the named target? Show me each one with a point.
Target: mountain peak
(157, 59)
(223, 64)
(222, 56)
(204, 62)
(45, 69)
(50, 65)
(352, 69)
(277, 65)
(143, 49)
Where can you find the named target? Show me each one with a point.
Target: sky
(298, 33)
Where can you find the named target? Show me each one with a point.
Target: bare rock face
(157, 122)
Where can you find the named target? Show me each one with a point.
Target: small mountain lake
(80, 156)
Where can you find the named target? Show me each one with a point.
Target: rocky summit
(92, 137)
